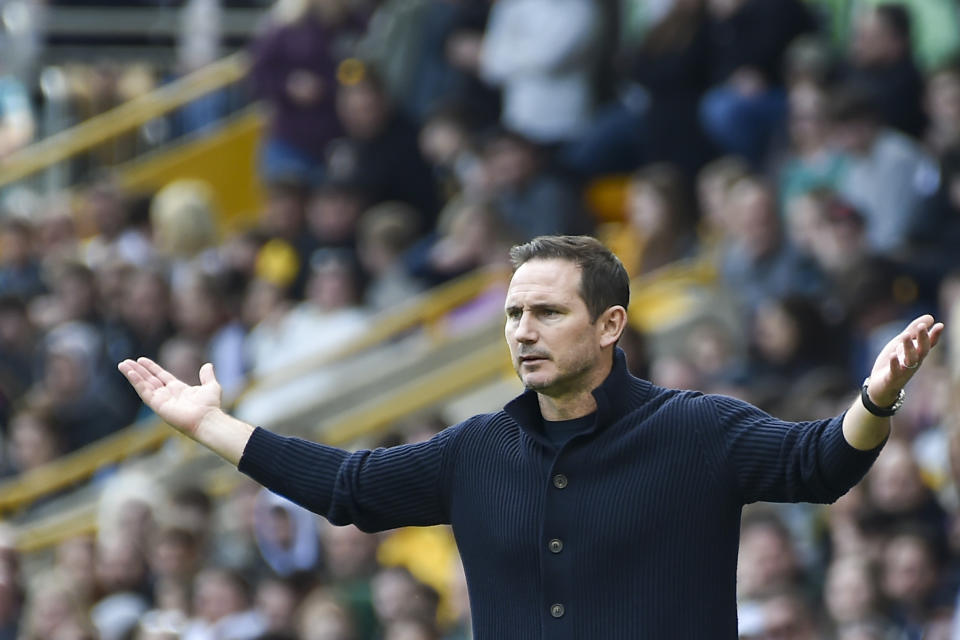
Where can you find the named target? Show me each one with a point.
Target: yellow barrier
(80, 465)
(122, 119)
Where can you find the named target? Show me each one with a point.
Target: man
(595, 505)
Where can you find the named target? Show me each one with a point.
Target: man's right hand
(194, 410)
(176, 402)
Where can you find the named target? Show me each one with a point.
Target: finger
(910, 356)
(141, 385)
(935, 332)
(207, 374)
(923, 341)
(133, 370)
(925, 320)
(894, 364)
(157, 371)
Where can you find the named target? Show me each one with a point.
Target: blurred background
(318, 196)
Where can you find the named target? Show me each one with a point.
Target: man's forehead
(544, 281)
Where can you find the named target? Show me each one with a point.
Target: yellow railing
(122, 119)
(68, 471)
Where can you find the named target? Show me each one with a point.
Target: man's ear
(611, 324)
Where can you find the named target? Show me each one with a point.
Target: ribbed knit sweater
(628, 531)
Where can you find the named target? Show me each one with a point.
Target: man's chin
(534, 382)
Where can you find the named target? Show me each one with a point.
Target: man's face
(553, 344)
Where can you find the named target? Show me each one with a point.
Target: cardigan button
(556, 610)
(560, 481)
(555, 545)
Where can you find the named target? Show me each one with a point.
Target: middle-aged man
(594, 506)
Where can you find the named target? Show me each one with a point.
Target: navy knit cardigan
(629, 531)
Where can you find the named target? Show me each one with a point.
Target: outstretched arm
(895, 365)
(193, 410)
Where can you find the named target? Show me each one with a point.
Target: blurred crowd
(808, 153)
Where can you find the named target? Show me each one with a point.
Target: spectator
(294, 71)
(851, 593)
(202, 312)
(334, 209)
(661, 221)
(544, 54)
(888, 172)
(811, 162)
(768, 561)
(655, 117)
(882, 67)
(84, 401)
(322, 617)
(787, 616)
(386, 234)
(533, 200)
(447, 143)
(713, 188)
(277, 600)
(748, 39)
(911, 574)
(222, 608)
(330, 315)
(18, 345)
(380, 150)
(934, 231)
(183, 218)
(942, 101)
(673, 65)
(471, 234)
(429, 53)
(117, 236)
(286, 535)
(34, 439)
(757, 263)
(20, 273)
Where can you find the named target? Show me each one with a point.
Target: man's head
(565, 308)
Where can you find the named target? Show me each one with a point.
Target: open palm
(179, 404)
(899, 359)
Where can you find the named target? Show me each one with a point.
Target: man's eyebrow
(536, 306)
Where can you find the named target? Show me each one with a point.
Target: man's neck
(567, 408)
(576, 403)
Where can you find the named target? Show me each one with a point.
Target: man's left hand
(900, 359)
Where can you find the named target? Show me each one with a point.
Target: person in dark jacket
(748, 40)
(595, 504)
(294, 70)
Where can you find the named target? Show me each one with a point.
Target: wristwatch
(880, 412)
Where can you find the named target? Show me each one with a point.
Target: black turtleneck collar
(616, 397)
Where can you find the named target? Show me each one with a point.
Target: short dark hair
(603, 279)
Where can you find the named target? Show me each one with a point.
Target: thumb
(207, 375)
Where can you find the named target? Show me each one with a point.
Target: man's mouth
(531, 359)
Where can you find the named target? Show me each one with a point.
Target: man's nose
(525, 331)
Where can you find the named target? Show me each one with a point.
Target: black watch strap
(880, 412)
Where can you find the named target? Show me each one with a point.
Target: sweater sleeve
(778, 461)
(373, 489)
